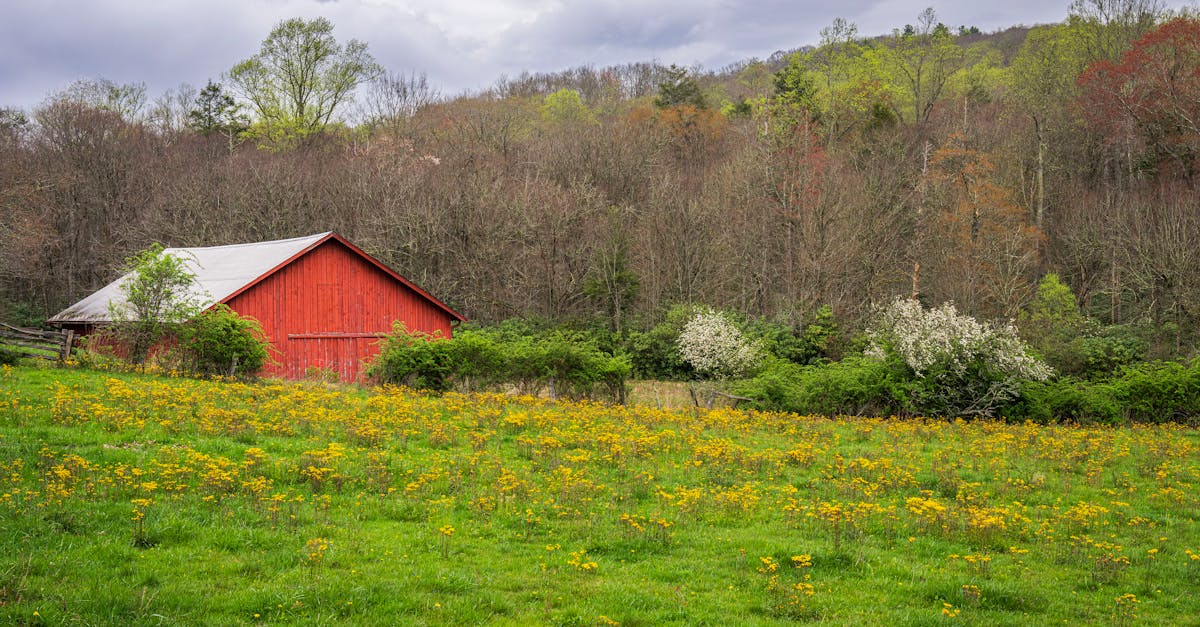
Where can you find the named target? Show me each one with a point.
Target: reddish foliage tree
(1153, 93)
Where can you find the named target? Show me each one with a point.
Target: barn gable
(323, 302)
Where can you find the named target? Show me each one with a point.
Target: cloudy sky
(460, 44)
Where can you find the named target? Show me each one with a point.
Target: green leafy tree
(565, 106)
(159, 295)
(841, 76)
(796, 91)
(923, 58)
(300, 77)
(1106, 28)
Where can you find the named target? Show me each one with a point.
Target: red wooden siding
(327, 308)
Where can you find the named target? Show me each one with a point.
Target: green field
(128, 499)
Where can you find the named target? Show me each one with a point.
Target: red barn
(322, 301)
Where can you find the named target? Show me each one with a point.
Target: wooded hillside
(955, 165)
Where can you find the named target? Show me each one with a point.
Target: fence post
(69, 340)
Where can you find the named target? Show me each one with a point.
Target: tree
(924, 58)
(14, 124)
(610, 282)
(159, 294)
(845, 89)
(679, 88)
(1153, 93)
(171, 110)
(795, 90)
(1052, 321)
(988, 252)
(214, 111)
(126, 100)
(1043, 75)
(566, 107)
(1108, 27)
(395, 98)
(301, 76)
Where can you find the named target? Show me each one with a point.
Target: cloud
(45, 45)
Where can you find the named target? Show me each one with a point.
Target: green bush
(1160, 391)
(8, 358)
(1108, 350)
(1153, 392)
(567, 364)
(816, 342)
(221, 342)
(654, 353)
(855, 386)
(1066, 400)
(414, 359)
(477, 360)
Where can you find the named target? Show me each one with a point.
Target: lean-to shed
(322, 301)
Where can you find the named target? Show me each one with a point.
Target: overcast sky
(460, 44)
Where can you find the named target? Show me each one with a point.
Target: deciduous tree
(301, 77)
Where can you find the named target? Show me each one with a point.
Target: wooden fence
(36, 343)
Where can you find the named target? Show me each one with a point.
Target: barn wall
(327, 308)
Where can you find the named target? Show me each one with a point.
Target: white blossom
(712, 345)
(943, 337)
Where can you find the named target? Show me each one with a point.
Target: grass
(134, 499)
(661, 394)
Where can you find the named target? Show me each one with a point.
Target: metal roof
(220, 272)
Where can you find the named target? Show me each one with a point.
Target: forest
(935, 162)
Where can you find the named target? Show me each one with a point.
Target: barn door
(313, 355)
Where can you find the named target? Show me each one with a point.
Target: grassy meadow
(143, 500)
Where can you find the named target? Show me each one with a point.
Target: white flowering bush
(960, 366)
(713, 346)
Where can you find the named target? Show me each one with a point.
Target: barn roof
(223, 272)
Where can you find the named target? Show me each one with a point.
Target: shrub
(8, 358)
(816, 342)
(1160, 391)
(220, 341)
(1066, 400)
(568, 364)
(856, 386)
(1105, 350)
(956, 365)
(654, 353)
(713, 346)
(414, 359)
(477, 360)
(1152, 392)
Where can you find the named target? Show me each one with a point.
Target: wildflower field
(129, 499)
